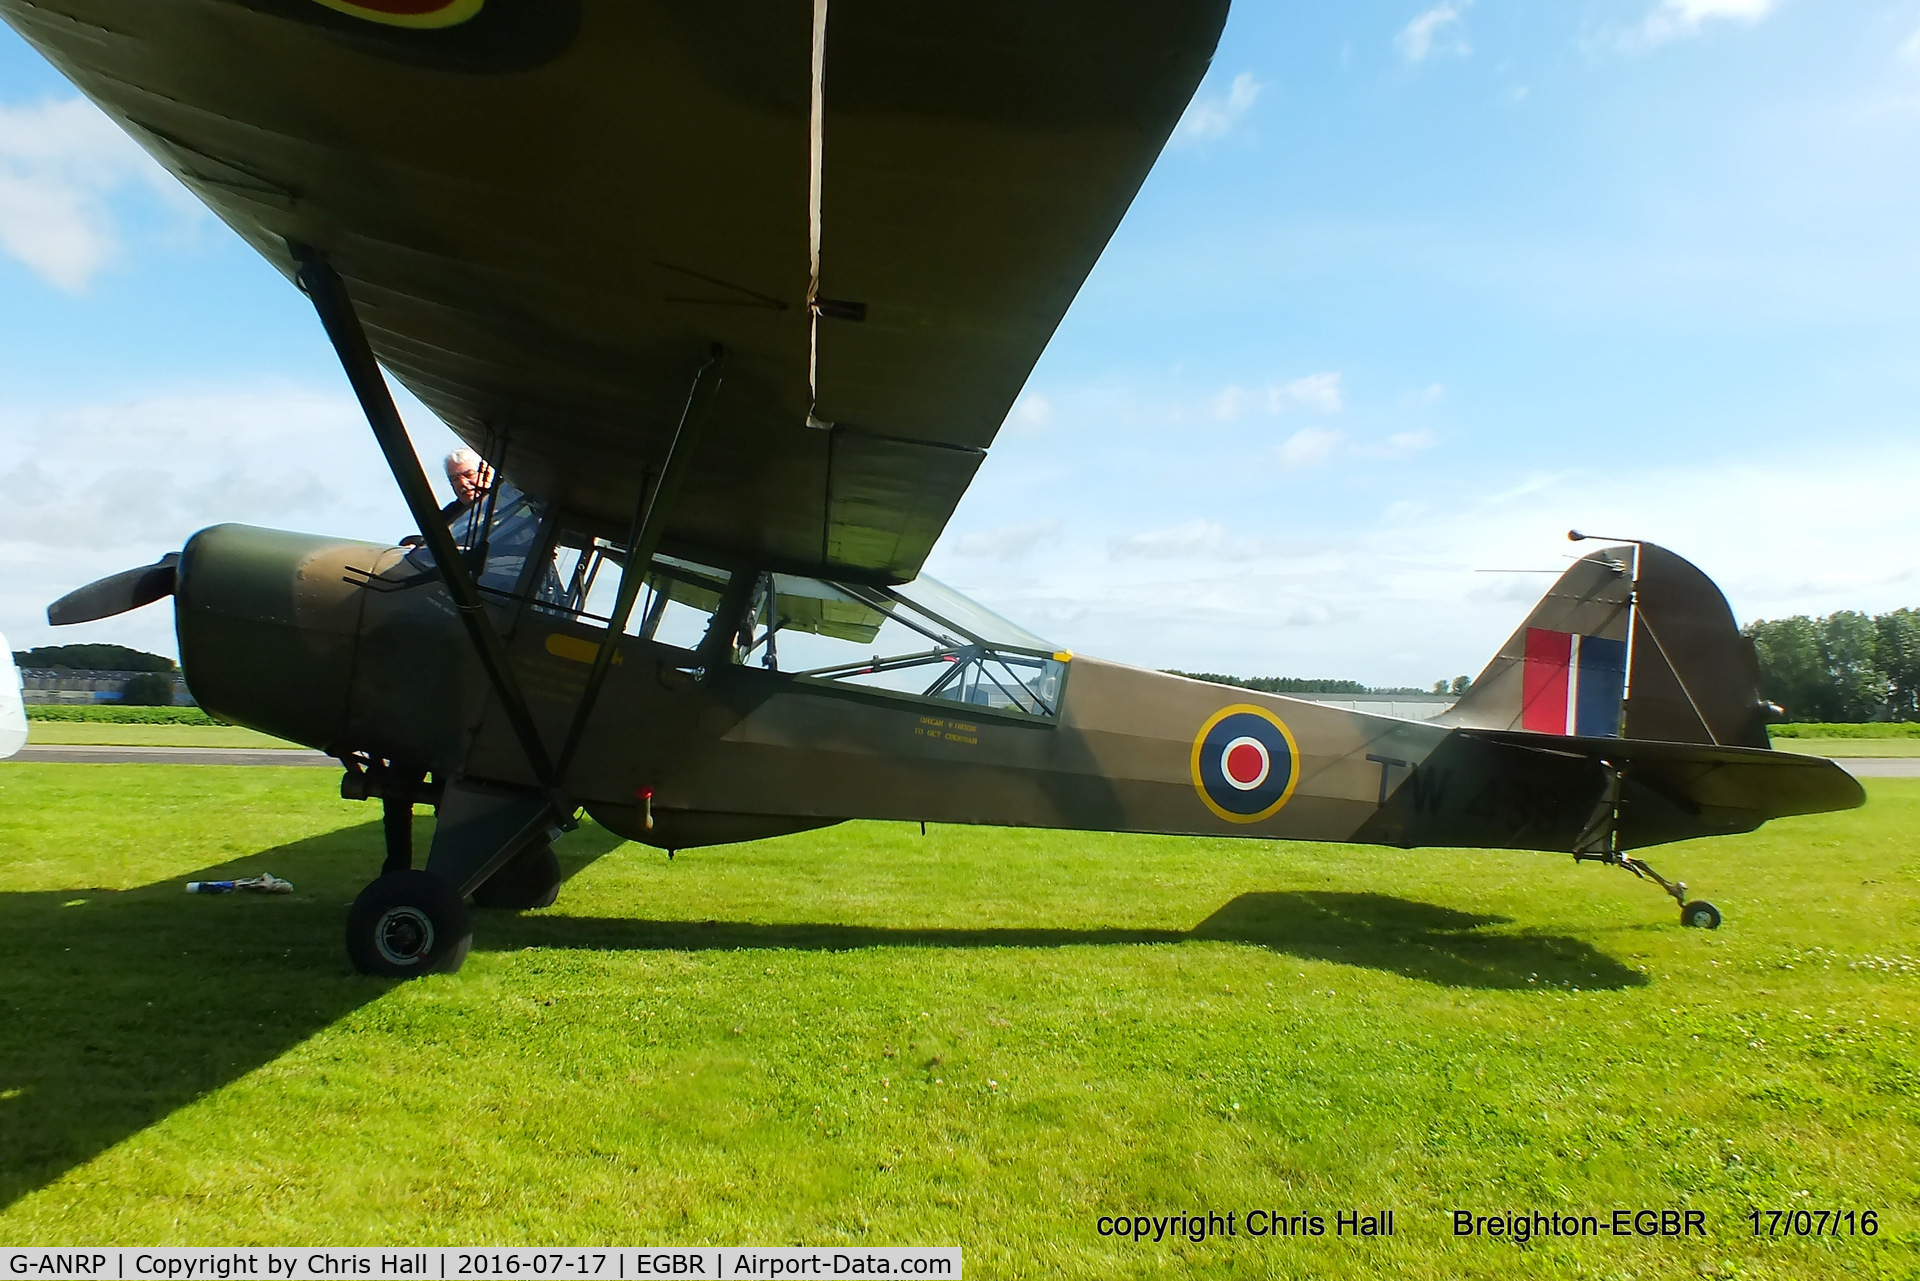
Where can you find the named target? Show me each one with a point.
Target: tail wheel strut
(1599, 842)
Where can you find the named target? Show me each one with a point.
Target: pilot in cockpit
(469, 475)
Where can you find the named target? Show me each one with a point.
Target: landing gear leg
(406, 922)
(396, 820)
(529, 881)
(1599, 842)
(400, 788)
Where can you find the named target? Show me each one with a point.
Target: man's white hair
(461, 459)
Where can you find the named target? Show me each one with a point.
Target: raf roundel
(1245, 763)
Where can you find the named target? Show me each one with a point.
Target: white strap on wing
(816, 143)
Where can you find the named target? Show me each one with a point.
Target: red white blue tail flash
(1573, 684)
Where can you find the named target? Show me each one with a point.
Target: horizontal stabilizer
(1516, 789)
(1700, 779)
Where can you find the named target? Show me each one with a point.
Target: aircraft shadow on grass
(1416, 940)
(117, 1008)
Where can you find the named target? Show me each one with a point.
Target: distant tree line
(1846, 667)
(1304, 685)
(92, 658)
(152, 687)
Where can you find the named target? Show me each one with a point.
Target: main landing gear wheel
(528, 880)
(1700, 915)
(408, 923)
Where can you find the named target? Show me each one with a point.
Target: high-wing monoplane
(735, 296)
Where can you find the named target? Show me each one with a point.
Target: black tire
(1700, 915)
(406, 924)
(528, 880)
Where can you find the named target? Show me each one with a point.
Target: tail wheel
(529, 880)
(1700, 915)
(408, 923)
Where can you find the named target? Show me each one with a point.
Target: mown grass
(136, 734)
(981, 1037)
(1850, 748)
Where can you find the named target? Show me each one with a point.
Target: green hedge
(1827, 729)
(115, 714)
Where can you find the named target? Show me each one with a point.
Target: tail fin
(1633, 642)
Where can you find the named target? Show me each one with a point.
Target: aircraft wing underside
(547, 211)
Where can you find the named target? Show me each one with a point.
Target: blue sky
(1415, 289)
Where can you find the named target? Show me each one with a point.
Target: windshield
(508, 541)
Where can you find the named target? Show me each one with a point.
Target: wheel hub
(404, 935)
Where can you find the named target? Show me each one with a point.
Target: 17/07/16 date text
(1814, 1223)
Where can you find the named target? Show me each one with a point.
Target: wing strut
(329, 294)
(649, 523)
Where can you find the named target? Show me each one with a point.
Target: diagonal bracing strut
(329, 295)
(643, 539)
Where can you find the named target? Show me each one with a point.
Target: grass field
(1849, 747)
(981, 1037)
(1846, 729)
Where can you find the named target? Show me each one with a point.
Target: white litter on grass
(265, 883)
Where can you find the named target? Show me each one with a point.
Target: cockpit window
(921, 640)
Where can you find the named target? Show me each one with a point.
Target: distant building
(1406, 707)
(67, 685)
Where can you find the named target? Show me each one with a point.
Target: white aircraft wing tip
(13, 712)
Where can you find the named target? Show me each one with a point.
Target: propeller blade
(116, 593)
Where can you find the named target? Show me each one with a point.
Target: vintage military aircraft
(736, 296)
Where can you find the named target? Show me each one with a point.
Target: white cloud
(60, 160)
(1673, 19)
(1403, 443)
(1009, 541)
(1321, 393)
(91, 489)
(1195, 538)
(1911, 49)
(1192, 538)
(1393, 598)
(1032, 410)
(1316, 616)
(1308, 447)
(1214, 116)
(1179, 540)
(1434, 32)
